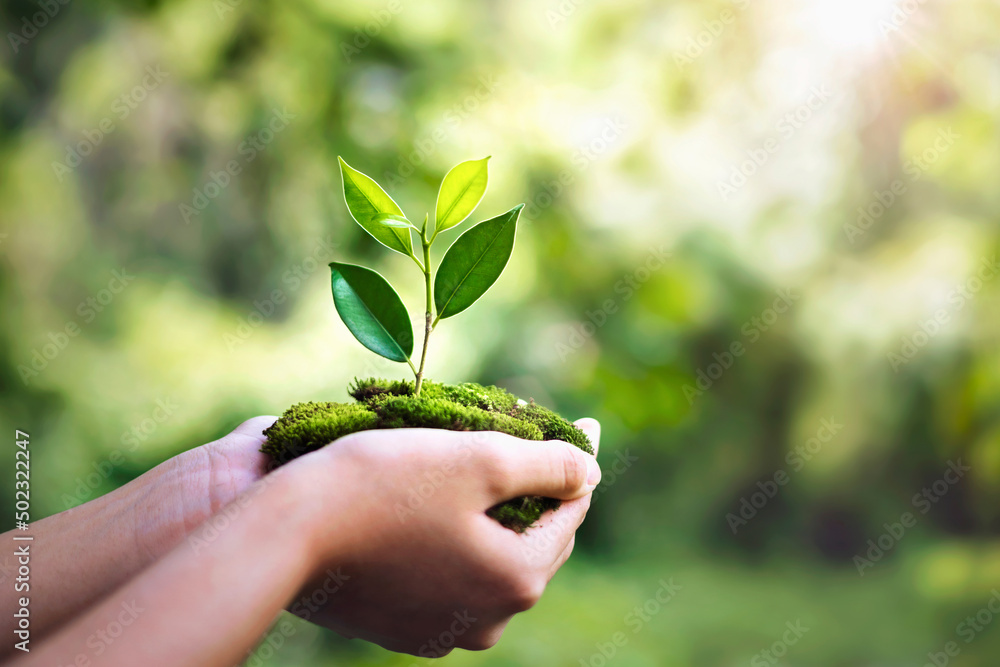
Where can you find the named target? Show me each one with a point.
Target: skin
(382, 536)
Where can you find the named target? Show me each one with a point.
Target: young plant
(368, 304)
(374, 313)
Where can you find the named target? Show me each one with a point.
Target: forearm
(209, 600)
(81, 554)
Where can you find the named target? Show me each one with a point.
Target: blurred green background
(811, 184)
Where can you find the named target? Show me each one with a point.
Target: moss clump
(420, 412)
(552, 425)
(391, 404)
(363, 390)
(308, 426)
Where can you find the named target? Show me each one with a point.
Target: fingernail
(593, 472)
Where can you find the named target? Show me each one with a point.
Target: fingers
(418, 648)
(549, 544)
(553, 469)
(240, 451)
(546, 542)
(563, 557)
(245, 438)
(255, 425)
(592, 428)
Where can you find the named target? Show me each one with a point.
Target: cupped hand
(405, 554)
(381, 535)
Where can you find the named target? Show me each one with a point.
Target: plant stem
(428, 326)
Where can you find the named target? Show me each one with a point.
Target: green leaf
(461, 191)
(393, 220)
(372, 310)
(474, 262)
(366, 200)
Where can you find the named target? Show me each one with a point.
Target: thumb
(553, 469)
(592, 428)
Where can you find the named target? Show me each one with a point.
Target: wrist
(173, 499)
(163, 507)
(180, 494)
(306, 499)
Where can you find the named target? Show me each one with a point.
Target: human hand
(446, 575)
(405, 554)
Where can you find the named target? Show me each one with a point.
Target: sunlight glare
(852, 28)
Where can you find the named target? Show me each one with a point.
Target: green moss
(362, 390)
(390, 404)
(552, 426)
(521, 513)
(421, 412)
(470, 394)
(308, 426)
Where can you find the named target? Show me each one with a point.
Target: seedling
(368, 304)
(374, 313)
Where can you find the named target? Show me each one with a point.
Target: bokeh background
(812, 181)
